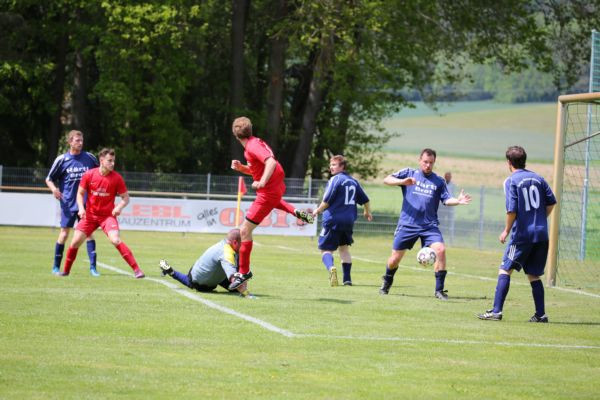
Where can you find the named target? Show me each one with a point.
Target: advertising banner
(156, 214)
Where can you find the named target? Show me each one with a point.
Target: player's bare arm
(462, 199)
(367, 211)
(236, 165)
(122, 204)
(55, 192)
(549, 209)
(393, 181)
(80, 196)
(510, 220)
(270, 165)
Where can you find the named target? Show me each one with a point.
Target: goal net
(574, 256)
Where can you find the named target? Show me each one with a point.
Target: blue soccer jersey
(422, 199)
(342, 194)
(527, 195)
(66, 172)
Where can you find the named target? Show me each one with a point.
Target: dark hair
(516, 156)
(106, 151)
(341, 160)
(429, 152)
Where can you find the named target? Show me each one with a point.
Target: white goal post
(585, 122)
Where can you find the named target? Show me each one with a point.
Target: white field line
(190, 295)
(483, 278)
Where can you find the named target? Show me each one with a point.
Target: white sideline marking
(288, 248)
(190, 295)
(186, 293)
(483, 278)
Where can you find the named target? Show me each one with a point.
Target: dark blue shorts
(330, 239)
(68, 218)
(406, 236)
(529, 256)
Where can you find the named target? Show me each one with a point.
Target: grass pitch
(117, 337)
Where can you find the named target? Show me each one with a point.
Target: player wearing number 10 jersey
(529, 201)
(341, 196)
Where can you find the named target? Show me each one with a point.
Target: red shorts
(90, 222)
(264, 203)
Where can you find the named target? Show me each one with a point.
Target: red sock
(71, 256)
(244, 261)
(127, 256)
(285, 206)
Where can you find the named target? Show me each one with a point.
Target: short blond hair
(72, 134)
(341, 160)
(242, 127)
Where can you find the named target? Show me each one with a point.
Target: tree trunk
(58, 93)
(313, 105)
(276, 82)
(79, 95)
(236, 101)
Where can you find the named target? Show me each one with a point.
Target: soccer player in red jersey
(268, 182)
(102, 185)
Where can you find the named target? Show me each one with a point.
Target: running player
(341, 196)
(268, 182)
(529, 201)
(423, 190)
(101, 185)
(63, 181)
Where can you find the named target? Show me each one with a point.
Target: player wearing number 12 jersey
(529, 201)
(341, 196)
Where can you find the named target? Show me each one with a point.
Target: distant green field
(117, 337)
(481, 129)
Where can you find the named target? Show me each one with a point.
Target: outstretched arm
(393, 181)
(462, 199)
(238, 166)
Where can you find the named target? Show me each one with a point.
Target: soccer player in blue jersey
(341, 196)
(423, 190)
(63, 181)
(529, 201)
(215, 267)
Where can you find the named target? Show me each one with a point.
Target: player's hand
(116, 211)
(236, 165)
(257, 185)
(81, 214)
(57, 194)
(464, 198)
(503, 236)
(368, 216)
(409, 181)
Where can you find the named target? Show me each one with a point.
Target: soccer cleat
(63, 274)
(441, 294)
(542, 319)
(386, 285)
(165, 268)
(55, 270)
(304, 216)
(490, 315)
(94, 271)
(139, 274)
(333, 281)
(347, 283)
(238, 279)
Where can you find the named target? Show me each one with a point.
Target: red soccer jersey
(256, 153)
(102, 190)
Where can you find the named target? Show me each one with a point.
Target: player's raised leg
(302, 215)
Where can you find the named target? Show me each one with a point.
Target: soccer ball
(426, 256)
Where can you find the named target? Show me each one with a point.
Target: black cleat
(441, 294)
(304, 216)
(386, 284)
(165, 268)
(543, 319)
(238, 279)
(490, 315)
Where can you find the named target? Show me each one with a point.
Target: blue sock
(58, 254)
(183, 278)
(501, 291)
(389, 274)
(91, 248)
(327, 259)
(347, 267)
(440, 278)
(537, 290)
